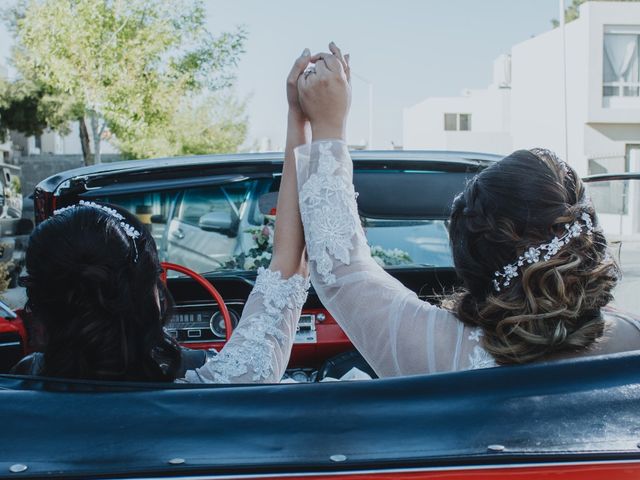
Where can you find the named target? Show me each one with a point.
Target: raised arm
(289, 255)
(260, 346)
(391, 327)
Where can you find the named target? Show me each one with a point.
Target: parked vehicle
(569, 419)
(13, 227)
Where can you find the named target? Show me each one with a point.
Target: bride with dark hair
(526, 244)
(93, 284)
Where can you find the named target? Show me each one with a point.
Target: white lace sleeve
(260, 346)
(396, 332)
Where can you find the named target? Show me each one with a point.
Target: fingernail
(306, 52)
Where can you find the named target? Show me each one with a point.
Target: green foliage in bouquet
(259, 255)
(390, 257)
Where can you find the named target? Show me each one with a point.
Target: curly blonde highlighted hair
(551, 306)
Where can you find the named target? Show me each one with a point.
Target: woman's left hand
(297, 70)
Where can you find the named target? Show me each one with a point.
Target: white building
(51, 142)
(603, 89)
(477, 120)
(602, 103)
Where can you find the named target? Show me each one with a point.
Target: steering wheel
(166, 266)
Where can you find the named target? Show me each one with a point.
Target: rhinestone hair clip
(129, 231)
(533, 254)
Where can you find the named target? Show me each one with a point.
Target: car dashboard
(196, 322)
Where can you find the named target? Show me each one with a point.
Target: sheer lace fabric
(260, 346)
(396, 332)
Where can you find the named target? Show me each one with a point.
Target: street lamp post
(370, 86)
(563, 47)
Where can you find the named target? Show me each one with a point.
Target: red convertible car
(212, 218)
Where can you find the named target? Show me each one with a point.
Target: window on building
(450, 121)
(457, 121)
(621, 67)
(464, 121)
(609, 197)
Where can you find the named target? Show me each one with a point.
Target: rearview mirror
(220, 222)
(267, 203)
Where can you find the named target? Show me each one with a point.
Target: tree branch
(113, 36)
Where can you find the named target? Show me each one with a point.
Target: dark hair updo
(523, 201)
(95, 292)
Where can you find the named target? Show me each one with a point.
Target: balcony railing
(621, 89)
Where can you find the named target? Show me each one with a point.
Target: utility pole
(370, 85)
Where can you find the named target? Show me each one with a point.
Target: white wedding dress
(395, 331)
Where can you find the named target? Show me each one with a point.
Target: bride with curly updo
(536, 276)
(552, 301)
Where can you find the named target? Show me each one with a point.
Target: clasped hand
(319, 90)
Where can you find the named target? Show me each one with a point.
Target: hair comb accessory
(542, 252)
(129, 231)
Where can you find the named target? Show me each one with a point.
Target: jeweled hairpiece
(534, 254)
(129, 231)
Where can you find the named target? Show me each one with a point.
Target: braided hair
(551, 306)
(99, 298)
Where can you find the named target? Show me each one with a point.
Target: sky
(407, 49)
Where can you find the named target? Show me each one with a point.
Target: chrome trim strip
(201, 305)
(10, 344)
(398, 470)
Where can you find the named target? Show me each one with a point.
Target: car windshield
(229, 228)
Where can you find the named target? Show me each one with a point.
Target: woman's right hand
(325, 94)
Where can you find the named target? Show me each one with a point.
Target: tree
(216, 123)
(572, 12)
(126, 65)
(30, 109)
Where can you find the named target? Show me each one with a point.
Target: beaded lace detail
(279, 294)
(329, 213)
(260, 333)
(479, 357)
